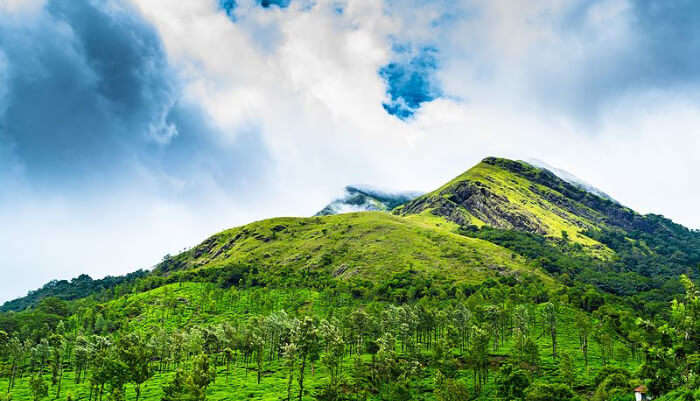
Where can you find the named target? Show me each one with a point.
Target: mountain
(507, 271)
(515, 195)
(364, 198)
(631, 253)
(501, 217)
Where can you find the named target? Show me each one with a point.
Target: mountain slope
(359, 199)
(368, 246)
(453, 282)
(632, 253)
(511, 195)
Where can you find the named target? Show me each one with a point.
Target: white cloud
(519, 82)
(518, 77)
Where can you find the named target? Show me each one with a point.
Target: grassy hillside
(368, 246)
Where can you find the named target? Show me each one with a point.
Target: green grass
(368, 245)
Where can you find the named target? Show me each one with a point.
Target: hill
(79, 287)
(508, 282)
(369, 246)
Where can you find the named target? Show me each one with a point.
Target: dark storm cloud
(85, 85)
(657, 50)
(90, 94)
(671, 36)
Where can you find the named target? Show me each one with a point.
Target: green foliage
(447, 389)
(616, 386)
(39, 387)
(177, 389)
(671, 347)
(567, 370)
(511, 382)
(80, 287)
(549, 392)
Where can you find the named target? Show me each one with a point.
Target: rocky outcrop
(473, 198)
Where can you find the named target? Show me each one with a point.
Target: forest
(505, 340)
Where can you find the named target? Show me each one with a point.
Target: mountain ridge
(571, 179)
(498, 193)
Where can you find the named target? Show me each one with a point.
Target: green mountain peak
(515, 195)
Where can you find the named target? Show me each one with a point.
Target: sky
(130, 129)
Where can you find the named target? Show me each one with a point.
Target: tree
(228, 358)
(256, 343)
(39, 387)
(566, 369)
(202, 375)
(115, 373)
(550, 316)
(16, 350)
(4, 338)
(584, 328)
(511, 382)
(479, 356)
(80, 357)
(614, 387)
(192, 386)
(531, 354)
(603, 337)
(98, 358)
(334, 351)
(306, 338)
(135, 353)
(176, 390)
(447, 389)
(59, 347)
(290, 352)
(671, 348)
(549, 392)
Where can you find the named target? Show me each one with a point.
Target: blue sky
(130, 129)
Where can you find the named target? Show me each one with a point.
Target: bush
(511, 382)
(549, 392)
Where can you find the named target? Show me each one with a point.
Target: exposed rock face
(472, 198)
